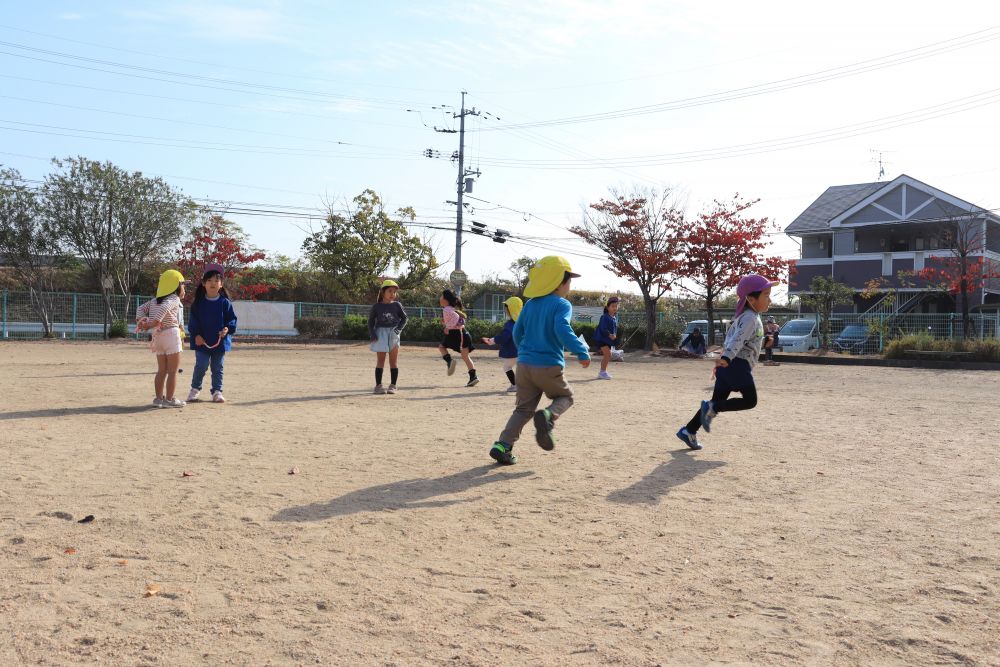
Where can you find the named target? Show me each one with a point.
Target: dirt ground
(852, 518)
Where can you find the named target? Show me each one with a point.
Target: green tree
(117, 222)
(519, 268)
(363, 242)
(28, 244)
(825, 293)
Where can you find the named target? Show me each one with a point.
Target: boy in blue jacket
(505, 339)
(541, 334)
(210, 330)
(606, 335)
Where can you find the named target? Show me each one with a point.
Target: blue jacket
(505, 339)
(207, 320)
(543, 331)
(608, 326)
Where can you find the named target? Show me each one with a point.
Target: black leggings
(722, 403)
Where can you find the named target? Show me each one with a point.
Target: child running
(455, 336)
(541, 334)
(505, 339)
(211, 327)
(385, 322)
(606, 335)
(771, 330)
(161, 315)
(734, 370)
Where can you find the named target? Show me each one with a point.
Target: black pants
(720, 396)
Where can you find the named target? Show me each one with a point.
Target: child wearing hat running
(541, 334)
(606, 335)
(385, 322)
(505, 339)
(211, 327)
(734, 370)
(455, 336)
(162, 316)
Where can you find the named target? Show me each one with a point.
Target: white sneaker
(157, 402)
(512, 389)
(217, 397)
(193, 394)
(172, 403)
(603, 375)
(452, 365)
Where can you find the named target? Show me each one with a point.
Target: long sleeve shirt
(505, 339)
(744, 338)
(208, 318)
(607, 327)
(543, 331)
(391, 315)
(166, 313)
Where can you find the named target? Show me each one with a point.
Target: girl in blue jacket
(606, 335)
(505, 339)
(210, 328)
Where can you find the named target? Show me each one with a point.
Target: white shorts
(166, 341)
(509, 364)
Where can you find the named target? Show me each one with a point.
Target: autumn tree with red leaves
(637, 232)
(221, 241)
(964, 270)
(721, 245)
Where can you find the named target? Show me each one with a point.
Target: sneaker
(603, 375)
(217, 397)
(543, 430)
(193, 394)
(157, 402)
(512, 389)
(473, 381)
(452, 365)
(379, 389)
(501, 453)
(391, 389)
(172, 403)
(688, 439)
(707, 415)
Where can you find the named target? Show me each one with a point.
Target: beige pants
(532, 382)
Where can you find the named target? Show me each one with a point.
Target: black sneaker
(501, 453)
(473, 381)
(543, 430)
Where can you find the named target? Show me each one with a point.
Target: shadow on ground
(405, 494)
(680, 469)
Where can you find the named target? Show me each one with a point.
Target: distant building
(856, 233)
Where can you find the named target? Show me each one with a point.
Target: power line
(901, 57)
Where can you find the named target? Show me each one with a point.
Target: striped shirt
(166, 313)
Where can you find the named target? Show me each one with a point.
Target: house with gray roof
(857, 233)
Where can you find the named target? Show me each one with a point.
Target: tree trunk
(650, 304)
(40, 305)
(965, 309)
(710, 305)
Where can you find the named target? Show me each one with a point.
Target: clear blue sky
(249, 101)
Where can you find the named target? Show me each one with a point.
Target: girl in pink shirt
(455, 336)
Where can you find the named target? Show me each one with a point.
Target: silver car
(798, 336)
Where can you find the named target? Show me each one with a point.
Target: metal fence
(81, 316)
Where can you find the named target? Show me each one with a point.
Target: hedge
(986, 349)
(355, 327)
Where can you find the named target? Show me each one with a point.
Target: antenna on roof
(878, 160)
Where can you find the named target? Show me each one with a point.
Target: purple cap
(214, 267)
(748, 284)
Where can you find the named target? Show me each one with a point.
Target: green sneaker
(501, 453)
(543, 430)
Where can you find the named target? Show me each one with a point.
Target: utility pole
(460, 189)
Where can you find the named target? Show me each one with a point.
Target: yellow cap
(514, 306)
(389, 283)
(170, 280)
(546, 275)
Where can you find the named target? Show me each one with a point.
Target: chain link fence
(82, 316)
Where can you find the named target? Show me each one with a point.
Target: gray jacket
(744, 338)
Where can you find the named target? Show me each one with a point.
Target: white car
(798, 336)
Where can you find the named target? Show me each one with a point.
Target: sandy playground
(853, 518)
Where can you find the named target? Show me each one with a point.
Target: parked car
(720, 329)
(856, 339)
(798, 336)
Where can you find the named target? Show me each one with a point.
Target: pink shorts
(166, 341)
